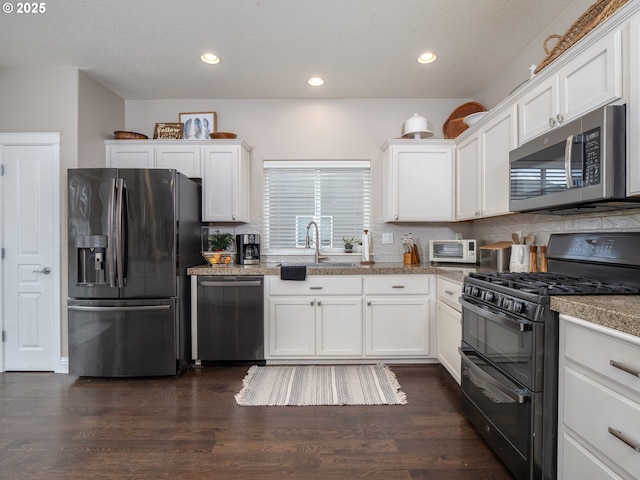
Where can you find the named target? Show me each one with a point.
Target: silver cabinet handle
(448, 292)
(623, 438)
(560, 118)
(624, 368)
(368, 303)
(44, 270)
(552, 122)
(315, 288)
(312, 303)
(397, 286)
(318, 303)
(396, 217)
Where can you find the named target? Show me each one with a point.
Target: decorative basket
(219, 259)
(123, 135)
(590, 19)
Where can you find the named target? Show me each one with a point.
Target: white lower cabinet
(348, 317)
(318, 317)
(397, 316)
(599, 402)
(449, 325)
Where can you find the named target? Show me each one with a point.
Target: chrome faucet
(307, 241)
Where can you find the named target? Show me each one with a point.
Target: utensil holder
(533, 258)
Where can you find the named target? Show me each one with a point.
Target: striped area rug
(320, 385)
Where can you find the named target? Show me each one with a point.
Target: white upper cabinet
(633, 158)
(130, 154)
(591, 79)
(482, 166)
(225, 182)
(180, 155)
(418, 180)
(223, 166)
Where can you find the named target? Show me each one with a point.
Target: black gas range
(509, 344)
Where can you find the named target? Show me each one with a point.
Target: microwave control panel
(592, 157)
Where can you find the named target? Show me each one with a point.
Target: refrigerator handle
(111, 236)
(120, 232)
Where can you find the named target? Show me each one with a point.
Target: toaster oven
(454, 251)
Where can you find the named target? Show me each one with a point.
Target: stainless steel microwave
(454, 251)
(579, 167)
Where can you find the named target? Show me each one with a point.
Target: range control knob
(518, 307)
(475, 292)
(488, 296)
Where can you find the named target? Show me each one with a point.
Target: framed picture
(168, 131)
(198, 125)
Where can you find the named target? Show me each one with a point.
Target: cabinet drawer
(595, 350)
(396, 285)
(591, 409)
(580, 464)
(449, 292)
(317, 285)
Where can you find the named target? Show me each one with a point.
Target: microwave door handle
(567, 161)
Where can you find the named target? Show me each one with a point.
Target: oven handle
(515, 396)
(523, 325)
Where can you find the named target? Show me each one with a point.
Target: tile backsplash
(487, 230)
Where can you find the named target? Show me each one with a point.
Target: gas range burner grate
(554, 284)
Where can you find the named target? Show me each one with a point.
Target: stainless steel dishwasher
(230, 320)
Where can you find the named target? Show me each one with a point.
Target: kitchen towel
(293, 272)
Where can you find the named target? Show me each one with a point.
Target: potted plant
(348, 244)
(219, 241)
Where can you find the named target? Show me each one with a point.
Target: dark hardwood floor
(56, 426)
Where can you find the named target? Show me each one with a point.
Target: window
(334, 194)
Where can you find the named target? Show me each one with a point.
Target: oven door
(514, 344)
(502, 411)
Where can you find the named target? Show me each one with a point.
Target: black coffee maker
(248, 245)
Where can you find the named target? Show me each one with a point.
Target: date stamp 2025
(24, 7)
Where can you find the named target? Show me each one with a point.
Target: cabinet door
(468, 179)
(498, 138)
(422, 184)
(449, 338)
(339, 326)
(291, 327)
(397, 326)
(225, 180)
(185, 159)
(592, 79)
(537, 110)
(130, 156)
(633, 159)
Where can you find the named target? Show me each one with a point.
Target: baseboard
(64, 365)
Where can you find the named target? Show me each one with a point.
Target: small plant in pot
(220, 241)
(348, 244)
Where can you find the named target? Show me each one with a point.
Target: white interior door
(30, 247)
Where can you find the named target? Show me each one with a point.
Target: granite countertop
(620, 312)
(456, 273)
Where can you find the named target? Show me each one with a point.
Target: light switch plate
(387, 237)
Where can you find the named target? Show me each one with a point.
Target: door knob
(45, 270)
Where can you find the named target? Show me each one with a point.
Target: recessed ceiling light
(315, 81)
(427, 57)
(210, 58)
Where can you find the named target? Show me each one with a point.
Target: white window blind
(334, 194)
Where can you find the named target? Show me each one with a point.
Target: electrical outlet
(387, 237)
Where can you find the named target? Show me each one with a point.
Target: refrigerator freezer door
(122, 338)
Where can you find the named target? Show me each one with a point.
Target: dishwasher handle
(233, 283)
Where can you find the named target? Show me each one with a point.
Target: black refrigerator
(132, 235)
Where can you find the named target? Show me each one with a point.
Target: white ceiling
(150, 49)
